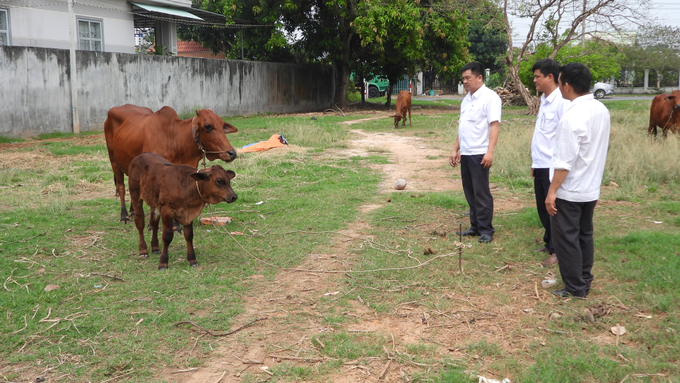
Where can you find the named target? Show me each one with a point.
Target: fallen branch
(119, 376)
(187, 370)
(384, 370)
(108, 276)
(218, 334)
(301, 358)
(26, 239)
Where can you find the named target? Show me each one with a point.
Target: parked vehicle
(377, 86)
(601, 89)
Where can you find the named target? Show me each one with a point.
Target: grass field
(114, 316)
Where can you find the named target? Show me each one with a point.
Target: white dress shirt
(477, 112)
(581, 144)
(543, 142)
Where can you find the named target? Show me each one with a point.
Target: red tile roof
(190, 46)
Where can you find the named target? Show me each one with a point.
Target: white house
(101, 25)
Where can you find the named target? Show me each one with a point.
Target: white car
(601, 89)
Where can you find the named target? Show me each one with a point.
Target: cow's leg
(154, 219)
(189, 237)
(119, 179)
(167, 238)
(139, 222)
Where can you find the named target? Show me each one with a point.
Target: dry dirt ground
(289, 301)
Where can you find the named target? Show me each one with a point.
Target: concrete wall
(642, 90)
(35, 87)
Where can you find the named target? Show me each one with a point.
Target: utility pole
(72, 67)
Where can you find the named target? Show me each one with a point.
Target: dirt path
(423, 168)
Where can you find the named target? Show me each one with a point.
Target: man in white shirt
(478, 128)
(581, 145)
(546, 72)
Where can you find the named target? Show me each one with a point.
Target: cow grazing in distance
(132, 130)
(665, 113)
(174, 192)
(403, 106)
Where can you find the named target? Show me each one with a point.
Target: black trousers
(572, 235)
(477, 193)
(541, 186)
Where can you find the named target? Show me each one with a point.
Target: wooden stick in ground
(218, 334)
(220, 379)
(109, 276)
(384, 370)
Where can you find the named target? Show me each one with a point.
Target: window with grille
(90, 35)
(4, 27)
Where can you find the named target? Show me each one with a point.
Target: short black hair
(476, 68)
(577, 75)
(547, 66)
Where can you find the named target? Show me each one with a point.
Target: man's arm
(487, 160)
(454, 159)
(558, 178)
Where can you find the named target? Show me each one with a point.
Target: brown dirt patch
(423, 168)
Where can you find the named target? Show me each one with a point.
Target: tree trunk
(341, 82)
(532, 102)
(388, 93)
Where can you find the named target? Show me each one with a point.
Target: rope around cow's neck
(199, 193)
(663, 130)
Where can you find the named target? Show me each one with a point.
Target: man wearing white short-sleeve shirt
(581, 143)
(478, 128)
(546, 73)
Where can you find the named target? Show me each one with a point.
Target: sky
(667, 12)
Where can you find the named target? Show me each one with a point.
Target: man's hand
(487, 160)
(454, 159)
(550, 203)
(532, 173)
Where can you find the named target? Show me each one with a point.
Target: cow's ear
(231, 174)
(229, 128)
(670, 98)
(197, 112)
(199, 176)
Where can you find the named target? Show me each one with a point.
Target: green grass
(61, 227)
(10, 140)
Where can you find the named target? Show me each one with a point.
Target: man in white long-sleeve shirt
(581, 145)
(546, 73)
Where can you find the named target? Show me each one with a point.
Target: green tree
(601, 57)
(403, 35)
(655, 47)
(488, 38)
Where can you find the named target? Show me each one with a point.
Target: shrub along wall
(35, 93)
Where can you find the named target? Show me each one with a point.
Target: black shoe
(468, 233)
(485, 238)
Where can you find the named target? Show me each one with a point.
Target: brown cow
(174, 192)
(132, 130)
(665, 113)
(403, 106)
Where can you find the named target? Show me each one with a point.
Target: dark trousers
(572, 235)
(541, 186)
(477, 193)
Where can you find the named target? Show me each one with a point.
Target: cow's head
(397, 118)
(214, 184)
(210, 131)
(674, 99)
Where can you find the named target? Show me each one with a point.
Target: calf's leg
(167, 238)
(189, 237)
(153, 221)
(139, 222)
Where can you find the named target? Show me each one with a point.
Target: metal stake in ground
(460, 248)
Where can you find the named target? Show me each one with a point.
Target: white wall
(48, 27)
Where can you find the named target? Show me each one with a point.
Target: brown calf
(403, 106)
(174, 192)
(665, 113)
(132, 130)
